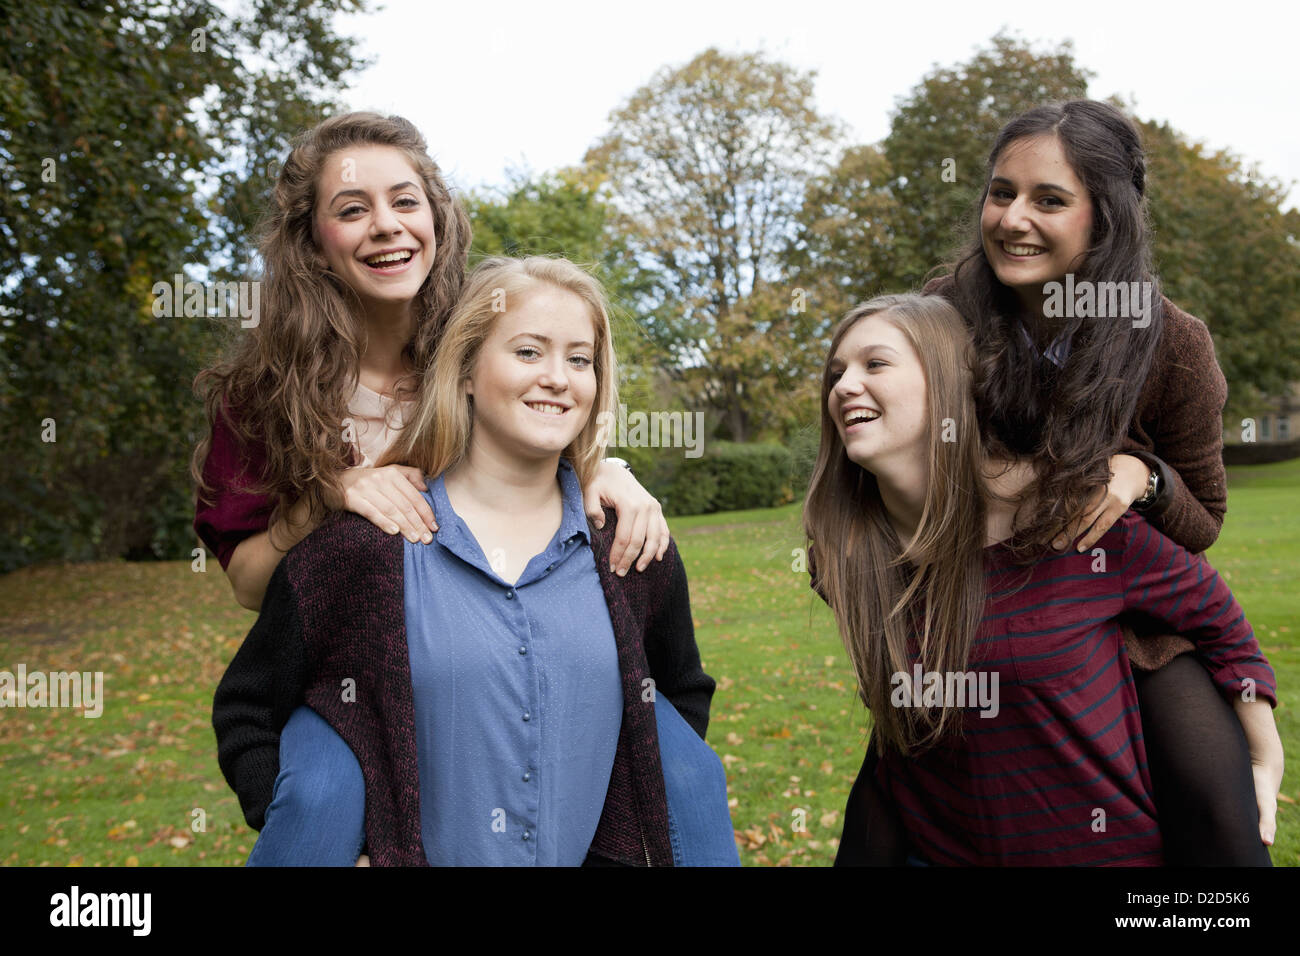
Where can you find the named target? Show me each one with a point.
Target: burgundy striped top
(1058, 776)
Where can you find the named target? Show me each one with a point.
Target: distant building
(1276, 420)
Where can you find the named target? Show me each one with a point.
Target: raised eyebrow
(406, 184)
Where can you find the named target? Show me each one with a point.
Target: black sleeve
(873, 832)
(1165, 493)
(671, 650)
(253, 702)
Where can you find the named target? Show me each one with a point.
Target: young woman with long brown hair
(1003, 703)
(1115, 411)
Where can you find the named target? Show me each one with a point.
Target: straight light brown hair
(897, 605)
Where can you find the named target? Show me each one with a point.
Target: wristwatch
(1149, 496)
(1159, 493)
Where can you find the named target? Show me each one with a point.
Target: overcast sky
(510, 83)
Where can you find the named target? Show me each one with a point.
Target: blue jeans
(317, 811)
(699, 822)
(317, 815)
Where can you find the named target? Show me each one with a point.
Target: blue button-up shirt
(518, 695)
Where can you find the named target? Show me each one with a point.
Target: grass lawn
(140, 784)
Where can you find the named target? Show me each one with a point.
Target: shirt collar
(573, 522)
(1057, 352)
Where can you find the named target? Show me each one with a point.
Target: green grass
(124, 789)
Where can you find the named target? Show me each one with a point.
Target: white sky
(510, 83)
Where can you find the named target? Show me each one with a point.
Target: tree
(853, 240)
(136, 146)
(941, 133)
(881, 220)
(706, 167)
(1227, 253)
(562, 214)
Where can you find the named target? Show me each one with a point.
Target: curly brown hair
(284, 385)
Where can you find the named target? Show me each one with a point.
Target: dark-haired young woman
(1080, 357)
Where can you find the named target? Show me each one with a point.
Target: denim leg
(317, 811)
(699, 822)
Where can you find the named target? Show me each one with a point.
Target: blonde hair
(437, 436)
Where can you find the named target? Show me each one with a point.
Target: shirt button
(527, 776)
(527, 835)
(550, 567)
(522, 649)
(527, 716)
(510, 595)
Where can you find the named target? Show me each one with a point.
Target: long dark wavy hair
(1069, 420)
(285, 384)
(897, 605)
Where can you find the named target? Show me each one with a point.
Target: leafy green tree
(853, 240)
(137, 143)
(706, 167)
(940, 135)
(562, 213)
(1227, 253)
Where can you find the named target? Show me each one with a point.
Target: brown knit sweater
(1179, 419)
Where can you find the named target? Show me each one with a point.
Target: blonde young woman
(363, 251)
(1041, 759)
(503, 690)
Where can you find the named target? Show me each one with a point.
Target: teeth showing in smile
(1022, 250)
(388, 258)
(546, 408)
(860, 415)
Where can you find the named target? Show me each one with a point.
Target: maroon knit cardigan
(335, 612)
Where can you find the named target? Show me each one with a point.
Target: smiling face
(1036, 222)
(373, 224)
(877, 397)
(534, 379)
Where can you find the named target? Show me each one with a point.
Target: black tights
(1200, 773)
